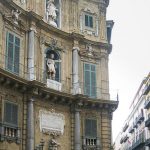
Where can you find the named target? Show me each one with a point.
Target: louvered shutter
(86, 20)
(91, 21)
(90, 80)
(87, 79)
(11, 114)
(12, 53)
(10, 49)
(90, 128)
(93, 81)
(16, 55)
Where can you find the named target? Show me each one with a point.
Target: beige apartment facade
(54, 82)
(135, 133)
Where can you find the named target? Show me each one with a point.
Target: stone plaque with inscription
(51, 122)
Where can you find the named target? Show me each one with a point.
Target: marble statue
(15, 16)
(51, 12)
(51, 67)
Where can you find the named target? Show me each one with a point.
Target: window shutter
(87, 79)
(10, 49)
(11, 114)
(90, 128)
(93, 81)
(14, 114)
(16, 55)
(7, 115)
(90, 80)
(91, 21)
(86, 20)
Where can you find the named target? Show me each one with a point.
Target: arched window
(57, 61)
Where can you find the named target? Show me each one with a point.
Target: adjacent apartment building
(135, 134)
(54, 83)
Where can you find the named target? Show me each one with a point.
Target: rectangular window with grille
(12, 53)
(90, 80)
(11, 114)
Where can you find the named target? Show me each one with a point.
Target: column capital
(76, 48)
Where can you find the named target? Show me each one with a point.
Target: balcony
(147, 104)
(125, 127)
(147, 123)
(139, 143)
(140, 118)
(9, 133)
(147, 88)
(131, 129)
(147, 142)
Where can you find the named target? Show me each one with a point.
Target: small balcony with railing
(147, 142)
(147, 87)
(139, 118)
(147, 122)
(131, 129)
(139, 143)
(9, 133)
(147, 103)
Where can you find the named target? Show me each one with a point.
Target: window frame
(4, 115)
(15, 49)
(89, 23)
(90, 92)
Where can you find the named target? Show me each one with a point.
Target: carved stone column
(30, 125)
(77, 130)
(75, 71)
(31, 69)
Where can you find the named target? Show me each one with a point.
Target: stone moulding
(51, 122)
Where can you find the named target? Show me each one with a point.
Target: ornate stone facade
(71, 110)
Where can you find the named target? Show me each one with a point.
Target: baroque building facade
(135, 134)
(54, 83)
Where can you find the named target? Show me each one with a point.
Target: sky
(129, 61)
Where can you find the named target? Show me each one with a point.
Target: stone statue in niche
(51, 12)
(53, 144)
(89, 49)
(15, 16)
(51, 67)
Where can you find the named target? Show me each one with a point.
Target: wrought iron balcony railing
(147, 103)
(147, 123)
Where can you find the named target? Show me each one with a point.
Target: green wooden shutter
(12, 53)
(93, 81)
(86, 20)
(9, 49)
(91, 21)
(90, 128)
(11, 114)
(87, 79)
(16, 55)
(90, 80)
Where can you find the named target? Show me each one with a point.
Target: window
(11, 114)
(90, 80)
(90, 131)
(89, 21)
(12, 53)
(9, 129)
